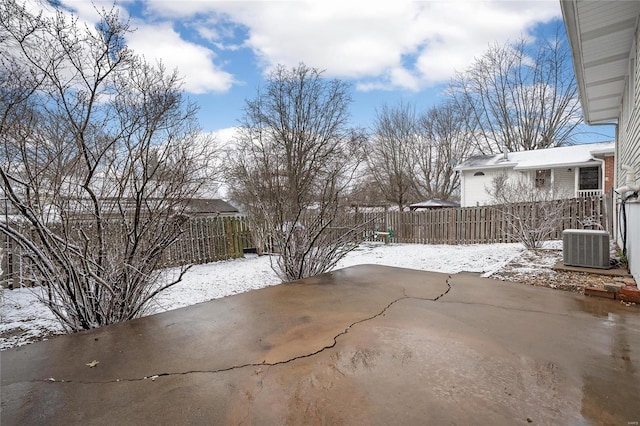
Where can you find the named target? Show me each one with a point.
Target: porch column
(576, 180)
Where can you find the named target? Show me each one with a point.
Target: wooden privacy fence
(479, 225)
(211, 239)
(206, 239)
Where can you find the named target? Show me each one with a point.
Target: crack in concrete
(448, 282)
(533, 311)
(153, 377)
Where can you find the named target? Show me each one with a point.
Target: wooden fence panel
(218, 238)
(480, 225)
(206, 239)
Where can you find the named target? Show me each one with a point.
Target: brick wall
(608, 173)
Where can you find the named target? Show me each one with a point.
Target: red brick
(630, 294)
(608, 173)
(597, 292)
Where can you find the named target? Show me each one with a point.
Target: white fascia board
(484, 167)
(603, 151)
(594, 162)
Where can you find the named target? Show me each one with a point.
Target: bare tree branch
(520, 97)
(294, 156)
(390, 153)
(443, 144)
(532, 213)
(100, 150)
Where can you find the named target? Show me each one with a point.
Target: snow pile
(451, 259)
(25, 319)
(215, 280)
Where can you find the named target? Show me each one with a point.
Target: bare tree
(365, 191)
(390, 152)
(99, 151)
(521, 97)
(444, 142)
(295, 155)
(533, 212)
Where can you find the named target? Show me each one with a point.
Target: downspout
(616, 156)
(603, 195)
(602, 163)
(614, 201)
(462, 188)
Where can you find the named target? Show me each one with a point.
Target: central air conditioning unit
(585, 247)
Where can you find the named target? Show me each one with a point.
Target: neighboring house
(434, 203)
(573, 171)
(206, 207)
(604, 40)
(193, 207)
(374, 208)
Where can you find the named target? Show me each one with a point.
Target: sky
(388, 51)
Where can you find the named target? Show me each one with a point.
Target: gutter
(483, 167)
(560, 165)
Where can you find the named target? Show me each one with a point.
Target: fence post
(237, 244)
(231, 237)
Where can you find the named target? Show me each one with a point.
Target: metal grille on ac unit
(585, 247)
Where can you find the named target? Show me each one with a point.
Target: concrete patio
(363, 345)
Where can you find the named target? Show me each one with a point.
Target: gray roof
(563, 156)
(209, 205)
(435, 202)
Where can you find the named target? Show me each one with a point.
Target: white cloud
(158, 41)
(89, 12)
(399, 44)
(401, 77)
(225, 137)
(193, 61)
(379, 44)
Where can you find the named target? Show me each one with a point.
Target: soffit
(601, 34)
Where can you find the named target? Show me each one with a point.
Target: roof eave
(607, 151)
(592, 162)
(569, 14)
(485, 166)
(595, 67)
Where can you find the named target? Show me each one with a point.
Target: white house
(604, 40)
(574, 171)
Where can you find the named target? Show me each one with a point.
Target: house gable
(565, 167)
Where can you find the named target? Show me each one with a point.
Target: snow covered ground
(24, 319)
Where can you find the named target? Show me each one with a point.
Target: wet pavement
(363, 345)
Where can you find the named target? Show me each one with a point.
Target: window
(543, 179)
(478, 174)
(589, 178)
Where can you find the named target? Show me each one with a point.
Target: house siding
(564, 163)
(628, 152)
(565, 181)
(475, 187)
(633, 239)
